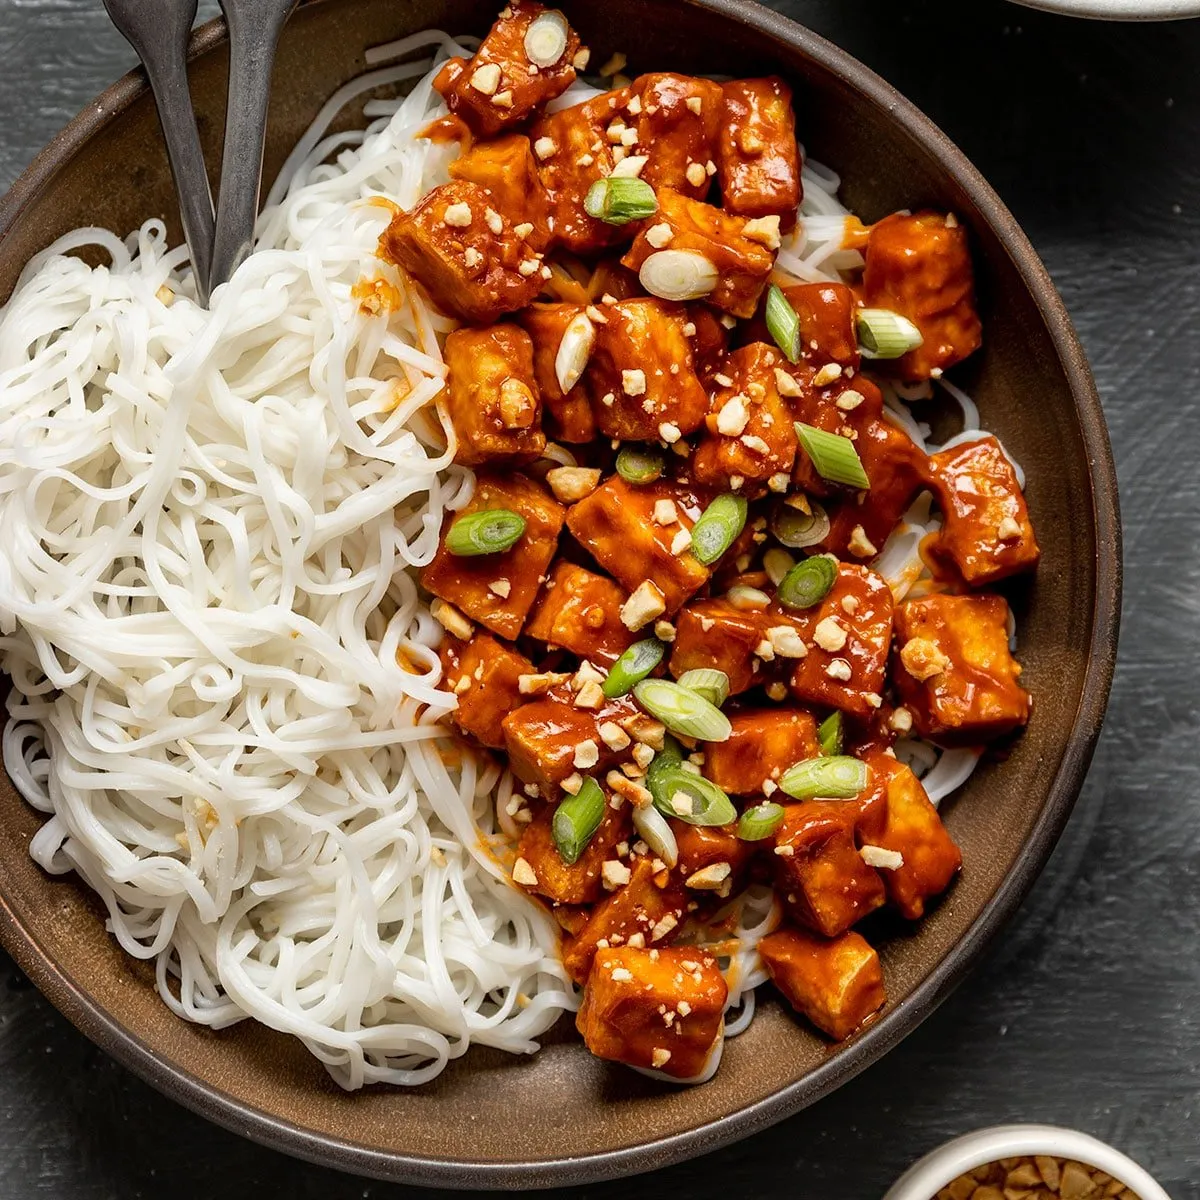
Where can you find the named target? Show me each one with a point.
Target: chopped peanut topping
(570, 484)
(922, 659)
(646, 603)
(524, 874)
(860, 545)
(829, 635)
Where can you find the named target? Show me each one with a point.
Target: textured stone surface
(1085, 1012)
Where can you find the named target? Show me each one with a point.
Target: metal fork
(158, 30)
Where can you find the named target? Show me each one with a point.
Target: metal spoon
(158, 30)
(254, 28)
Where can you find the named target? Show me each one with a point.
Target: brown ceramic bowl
(492, 1120)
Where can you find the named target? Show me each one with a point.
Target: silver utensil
(158, 30)
(254, 28)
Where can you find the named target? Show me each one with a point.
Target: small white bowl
(936, 1170)
(1120, 10)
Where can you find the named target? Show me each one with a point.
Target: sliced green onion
(490, 531)
(678, 275)
(829, 734)
(885, 334)
(718, 527)
(783, 323)
(708, 682)
(682, 710)
(576, 820)
(796, 529)
(760, 821)
(808, 582)
(656, 833)
(837, 778)
(834, 456)
(669, 758)
(617, 201)
(692, 798)
(637, 464)
(632, 667)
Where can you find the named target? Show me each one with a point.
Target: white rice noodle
(900, 562)
(972, 435)
(952, 770)
(577, 93)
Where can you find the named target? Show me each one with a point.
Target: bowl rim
(231, 1113)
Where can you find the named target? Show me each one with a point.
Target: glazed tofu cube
(620, 1018)
(501, 85)
(677, 121)
(581, 612)
(826, 312)
(763, 744)
(498, 590)
(464, 253)
(909, 825)
(633, 532)
(712, 633)
(758, 161)
(641, 377)
(568, 415)
(492, 395)
(506, 167)
(577, 153)
(848, 636)
(483, 673)
(640, 907)
(709, 339)
(920, 267)
(824, 881)
(550, 739)
(954, 670)
(986, 532)
(580, 882)
(749, 433)
(837, 985)
(704, 852)
(741, 254)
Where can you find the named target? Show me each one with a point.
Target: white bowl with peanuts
(1043, 1161)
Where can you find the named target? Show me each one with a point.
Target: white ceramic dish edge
(1120, 10)
(926, 1178)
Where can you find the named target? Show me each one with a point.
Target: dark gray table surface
(1086, 1013)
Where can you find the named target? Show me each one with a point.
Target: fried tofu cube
(639, 907)
(758, 160)
(954, 670)
(824, 881)
(464, 253)
(581, 612)
(837, 985)
(920, 267)
(500, 86)
(641, 376)
(492, 395)
(741, 256)
(702, 847)
(506, 167)
(677, 122)
(618, 525)
(848, 636)
(712, 633)
(581, 154)
(909, 825)
(483, 673)
(749, 433)
(498, 590)
(986, 532)
(630, 993)
(709, 339)
(568, 415)
(826, 312)
(763, 743)
(582, 881)
(550, 739)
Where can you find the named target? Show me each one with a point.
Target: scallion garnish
(617, 200)
(834, 456)
(885, 334)
(632, 667)
(656, 833)
(490, 531)
(829, 734)
(783, 323)
(808, 582)
(691, 798)
(708, 682)
(576, 820)
(837, 777)
(760, 821)
(638, 464)
(796, 529)
(718, 527)
(682, 711)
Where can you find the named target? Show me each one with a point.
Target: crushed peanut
(524, 874)
(570, 484)
(1037, 1177)
(829, 635)
(922, 659)
(457, 216)
(643, 606)
(486, 79)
